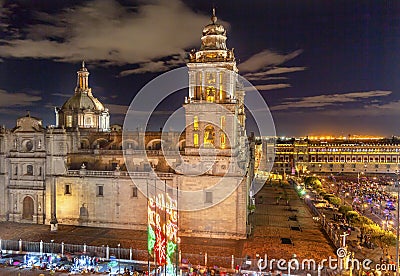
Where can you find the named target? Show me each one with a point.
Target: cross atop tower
(213, 17)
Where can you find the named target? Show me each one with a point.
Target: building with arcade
(352, 154)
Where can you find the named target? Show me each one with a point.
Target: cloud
(321, 101)
(264, 87)
(16, 112)
(107, 32)
(266, 74)
(17, 99)
(263, 75)
(283, 70)
(4, 12)
(62, 95)
(266, 58)
(117, 109)
(155, 66)
(371, 110)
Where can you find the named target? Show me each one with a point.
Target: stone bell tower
(214, 108)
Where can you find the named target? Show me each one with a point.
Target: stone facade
(350, 155)
(84, 172)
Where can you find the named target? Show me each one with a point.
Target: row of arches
(101, 143)
(210, 138)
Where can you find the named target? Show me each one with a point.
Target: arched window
(210, 94)
(209, 135)
(195, 123)
(222, 122)
(221, 87)
(196, 139)
(68, 123)
(223, 140)
(88, 121)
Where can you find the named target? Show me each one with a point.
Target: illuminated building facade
(344, 155)
(76, 171)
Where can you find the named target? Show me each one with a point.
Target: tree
(352, 216)
(313, 181)
(344, 209)
(383, 238)
(334, 200)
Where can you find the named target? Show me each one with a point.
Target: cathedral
(82, 171)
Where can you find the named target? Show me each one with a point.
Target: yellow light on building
(196, 139)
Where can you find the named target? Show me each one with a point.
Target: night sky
(323, 67)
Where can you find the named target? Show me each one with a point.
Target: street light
(51, 255)
(119, 259)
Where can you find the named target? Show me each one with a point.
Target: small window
(69, 121)
(196, 139)
(100, 191)
(40, 170)
(223, 122)
(88, 121)
(209, 197)
(29, 170)
(134, 192)
(196, 123)
(67, 190)
(376, 166)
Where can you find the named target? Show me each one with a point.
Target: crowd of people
(365, 194)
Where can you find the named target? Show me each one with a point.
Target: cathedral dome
(83, 110)
(83, 101)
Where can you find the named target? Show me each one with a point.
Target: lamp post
(119, 259)
(51, 255)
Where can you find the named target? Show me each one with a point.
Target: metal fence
(124, 254)
(330, 230)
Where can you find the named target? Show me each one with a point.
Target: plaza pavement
(276, 219)
(272, 223)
